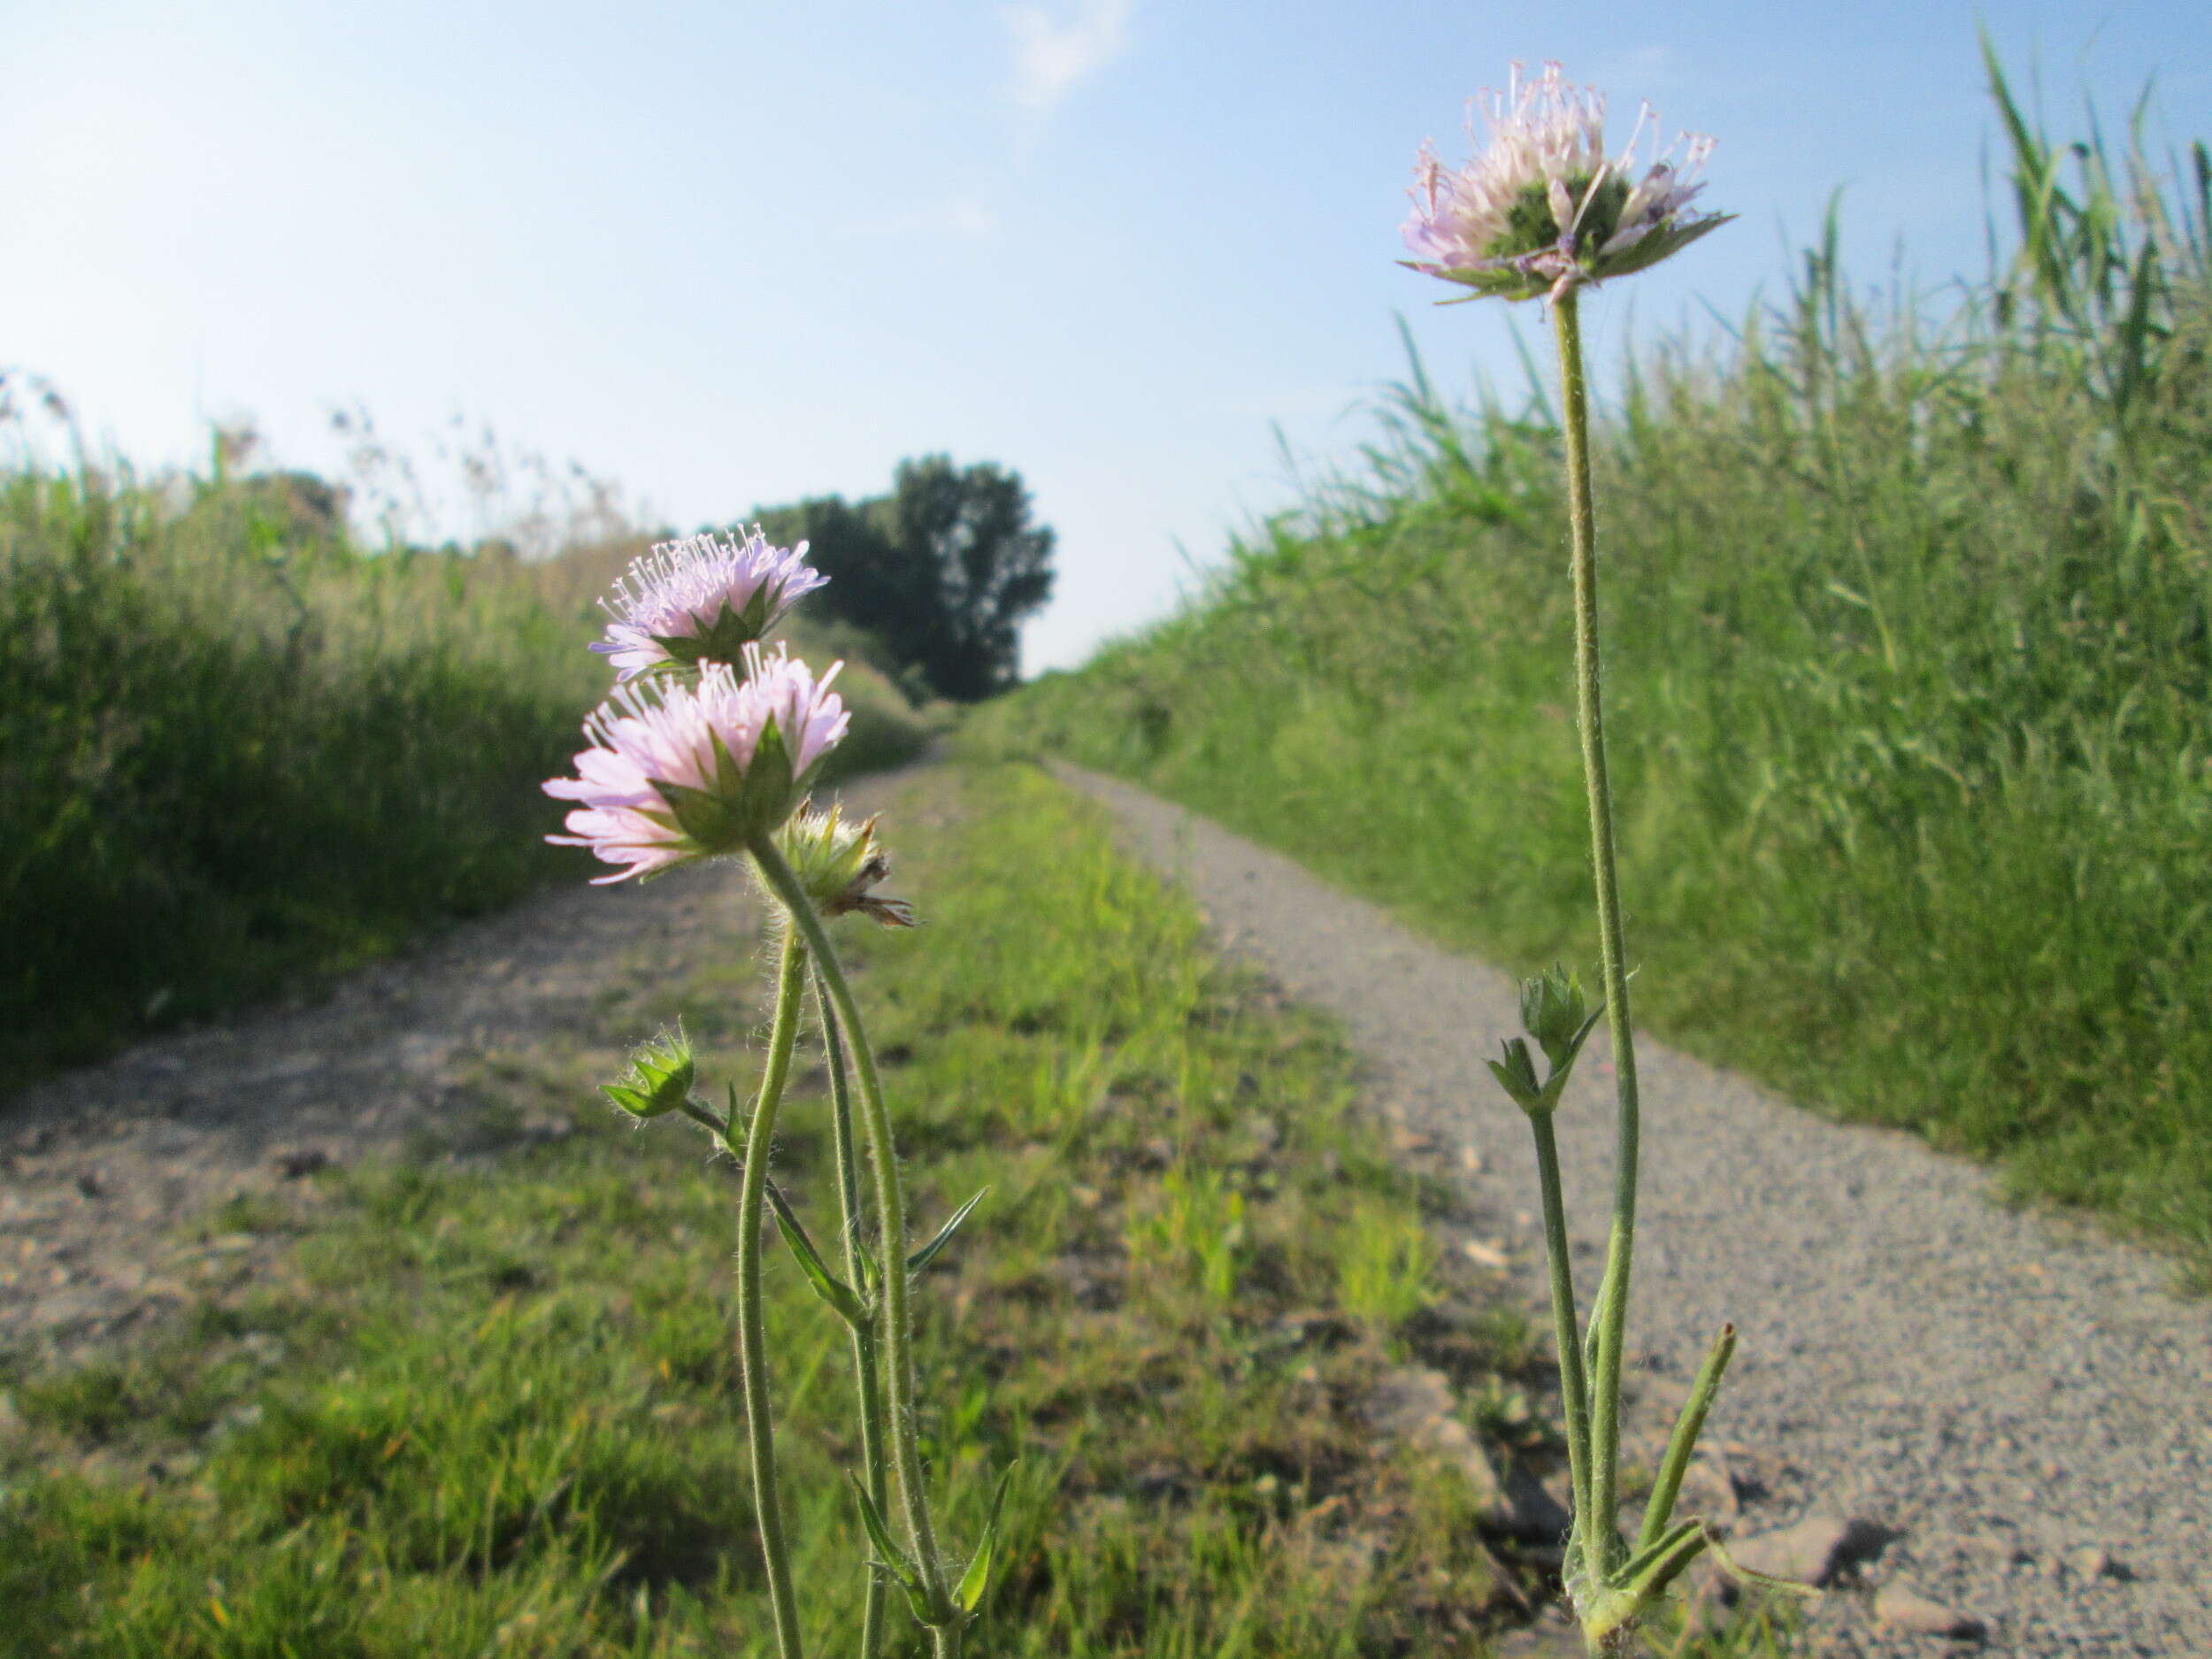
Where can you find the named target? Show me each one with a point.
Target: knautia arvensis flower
(1543, 212)
(683, 770)
(1542, 209)
(702, 600)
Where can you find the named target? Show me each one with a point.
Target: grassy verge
(1909, 672)
(490, 1408)
(238, 751)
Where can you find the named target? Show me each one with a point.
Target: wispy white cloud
(1057, 47)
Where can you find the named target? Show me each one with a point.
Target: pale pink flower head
(684, 769)
(1542, 209)
(702, 600)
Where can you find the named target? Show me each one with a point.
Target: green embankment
(492, 1407)
(1910, 678)
(238, 751)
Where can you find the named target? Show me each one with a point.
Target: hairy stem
(892, 1299)
(752, 1343)
(1573, 1386)
(1600, 1533)
(867, 1373)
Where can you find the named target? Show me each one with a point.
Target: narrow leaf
(927, 1253)
(827, 1285)
(1682, 1443)
(1765, 1580)
(893, 1558)
(1625, 1575)
(977, 1580)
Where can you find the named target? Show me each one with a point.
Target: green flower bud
(1552, 1012)
(838, 862)
(659, 1078)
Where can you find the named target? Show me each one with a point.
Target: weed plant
(492, 1407)
(1912, 644)
(238, 750)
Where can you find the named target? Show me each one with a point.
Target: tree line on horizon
(939, 572)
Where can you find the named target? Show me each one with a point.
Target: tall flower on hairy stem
(680, 770)
(1542, 209)
(702, 600)
(1543, 212)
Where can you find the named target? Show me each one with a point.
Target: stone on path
(1813, 1551)
(1899, 1607)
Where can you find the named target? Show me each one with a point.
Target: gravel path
(2018, 1403)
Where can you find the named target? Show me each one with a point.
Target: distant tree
(941, 570)
(872, 586)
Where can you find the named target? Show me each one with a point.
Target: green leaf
(1597, 1318)
(827, 1285)
(1635, 1574)
(1765, 1580)
(1516, 1076)
(893, 1558)
(927, 1253)
(977, 1580)
(1642, 1580)
(1682, 1443)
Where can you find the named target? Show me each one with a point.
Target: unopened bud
(659, 1078)
(840, 864)
(1552, 1012)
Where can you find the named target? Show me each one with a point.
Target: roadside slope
(2006, 1392)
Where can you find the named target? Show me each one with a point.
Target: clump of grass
(1915, 661)
(501, 1414)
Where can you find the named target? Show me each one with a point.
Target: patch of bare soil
(102, 1169)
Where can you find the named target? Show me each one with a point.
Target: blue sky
(734, 253)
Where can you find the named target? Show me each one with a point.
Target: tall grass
(238, 750)
(1912, 649)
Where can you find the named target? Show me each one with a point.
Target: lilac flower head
(680, 769)
(702, 600)
(1542, 209)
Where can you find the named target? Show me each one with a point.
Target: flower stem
(1573, 1386)
(1601, 1533)
(752, 1344)
(867, 1373)
(898, 1335)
